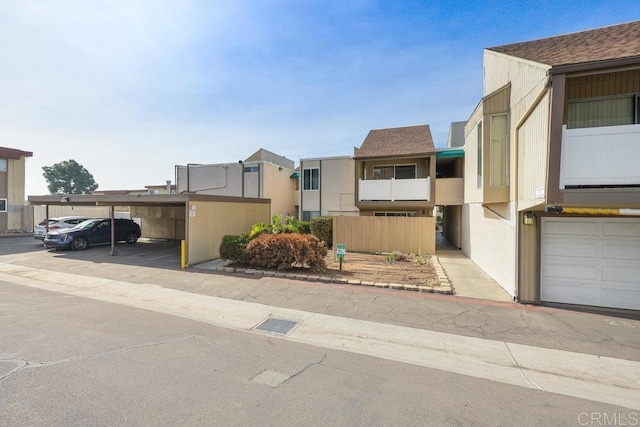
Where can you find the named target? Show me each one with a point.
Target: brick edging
(443, 286)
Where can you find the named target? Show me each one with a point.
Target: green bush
(322, 228)
(232, 247)
(287, 250)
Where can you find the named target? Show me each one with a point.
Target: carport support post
(113, 231)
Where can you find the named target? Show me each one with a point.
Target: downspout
(522, 121)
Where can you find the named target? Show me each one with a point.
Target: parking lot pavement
(157, 263)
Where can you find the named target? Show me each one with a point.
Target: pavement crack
(520, 368)
(319, 362)
(26, 364)
(21, 364)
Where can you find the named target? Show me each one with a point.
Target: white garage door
(591, 261)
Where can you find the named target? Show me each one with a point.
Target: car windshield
(86, 224)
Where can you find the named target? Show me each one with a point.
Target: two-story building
(263, 175)
(552, 183)
(13, 216)
(395, 172)
(327, 187)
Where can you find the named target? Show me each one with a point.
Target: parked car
(92, 232)
(56, 224)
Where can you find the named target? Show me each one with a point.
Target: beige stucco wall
(489, 240)
(167, 222)
(278, 186)
(212, 220)
(337, 187)
(449, 191)
(452, 224)
(216, 180)
(472, 194)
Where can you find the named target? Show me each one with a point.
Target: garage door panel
(571, 293)
(618, 274)
(621, 251)
(578, 248)
(626, 227)
(591, 261)
(584, 228)
(570, 271)
(620, 298)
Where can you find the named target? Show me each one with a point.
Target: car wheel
(131, 238)
(79, 244)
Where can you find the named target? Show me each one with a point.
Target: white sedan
(40, 230)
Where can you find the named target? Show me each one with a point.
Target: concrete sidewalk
(466, 278)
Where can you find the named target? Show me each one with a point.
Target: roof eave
(595, 65)
(396, 156)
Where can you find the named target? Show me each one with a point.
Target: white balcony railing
(606, 155)
(395, 189)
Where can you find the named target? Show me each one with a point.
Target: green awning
(295, 175)
(450, 154)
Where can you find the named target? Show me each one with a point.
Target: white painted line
(585, 376)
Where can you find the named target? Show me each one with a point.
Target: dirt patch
(378, 269)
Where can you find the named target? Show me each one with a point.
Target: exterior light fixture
(528, 218)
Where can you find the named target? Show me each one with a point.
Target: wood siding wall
(531, 169)
(385, 234)
(608, 84)
(212, 220)
(528, 261)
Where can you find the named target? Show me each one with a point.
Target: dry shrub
(285, 251)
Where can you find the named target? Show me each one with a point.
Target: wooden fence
(375, 234)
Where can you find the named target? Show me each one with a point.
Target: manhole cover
(276, 326)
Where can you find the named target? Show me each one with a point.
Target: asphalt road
(67, 360)
(86, 352)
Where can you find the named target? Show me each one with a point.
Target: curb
(443, 278)
(443, 287)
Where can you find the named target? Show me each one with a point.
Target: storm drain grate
(276, 326)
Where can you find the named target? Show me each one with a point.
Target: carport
(199, 221)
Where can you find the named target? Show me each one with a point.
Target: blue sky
(131, 88)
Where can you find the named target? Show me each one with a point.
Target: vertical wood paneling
(532, 152)
(606, 84)
(213, 220)
(385, 234)
(528, 269)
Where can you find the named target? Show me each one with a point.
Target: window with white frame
(499, 150)
(603, 111)
(3, 165)
(311, 179)
(3, 205)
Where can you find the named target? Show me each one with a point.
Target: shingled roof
(600, 44)
(396, 142)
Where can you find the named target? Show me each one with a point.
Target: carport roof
(135, 200)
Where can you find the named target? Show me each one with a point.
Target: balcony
(600, 157)
(395, 189)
